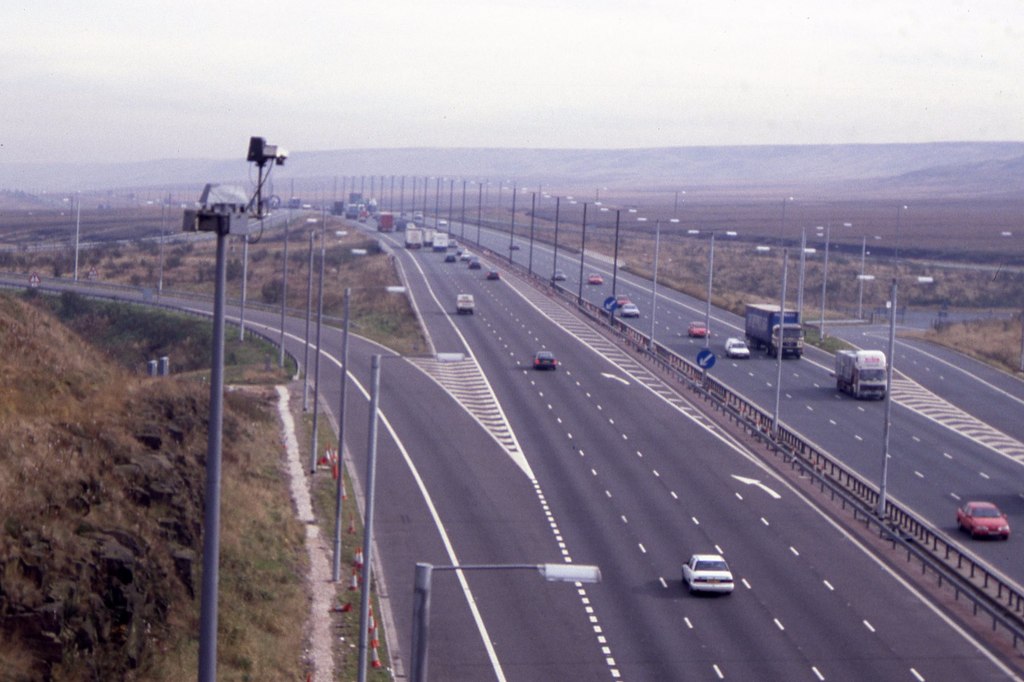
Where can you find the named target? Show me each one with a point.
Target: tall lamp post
(371, 475)
(860, 285)
(824, 282)
(891, 361)
(339, 489)
(224, 213)
(583, 251)
(571, 573)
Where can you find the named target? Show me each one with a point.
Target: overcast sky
(124, 80)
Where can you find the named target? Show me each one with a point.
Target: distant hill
(954, 168)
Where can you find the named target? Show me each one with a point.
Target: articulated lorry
(764, 325)
(440, 241)
(861, 373)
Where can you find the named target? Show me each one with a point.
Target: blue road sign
(609, 304)
(706, 359)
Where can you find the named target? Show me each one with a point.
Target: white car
(707, 573)
(736, 348)
(629, 310)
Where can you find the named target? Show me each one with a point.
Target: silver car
(629, 310)
(708, 573)
(736, 348)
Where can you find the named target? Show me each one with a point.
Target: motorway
(489, 462)
(608, 466)
(955, 433)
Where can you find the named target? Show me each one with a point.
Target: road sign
(609, 304)
(706, 359)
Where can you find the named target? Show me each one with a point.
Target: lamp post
(615, 259)
(891, 361)
(309, 313)
(533, 219)
(462, 221)
(284, 284)
(554, 263)
(371, 475)
(583, 251)
(512, 227)
(707, 307)
(780, 344)
(339, 490)
(224, 217)
(78, 229)
(316, 361)
(572, 573)
(479, 211)
(654, 278)
(824, 282)
(860, 283)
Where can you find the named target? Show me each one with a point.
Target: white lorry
(428, 237)
(440, 241)
(861, 373)
(413, 237)
(464, 304)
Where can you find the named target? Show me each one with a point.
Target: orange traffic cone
(375, 659)
(357, 561)
(353, 585)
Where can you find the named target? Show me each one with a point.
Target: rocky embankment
(101, 482)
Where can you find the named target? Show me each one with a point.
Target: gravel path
(321, 588)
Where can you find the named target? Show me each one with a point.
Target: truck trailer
(763, 328)
(861, 373)
(385, 221)
(413, 237)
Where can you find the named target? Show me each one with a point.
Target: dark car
(544, 359)
(559, 276)
(450, 258)
(493, 274)
(474, 263)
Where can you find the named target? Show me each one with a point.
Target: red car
(594, 278)
(697, 329)
(622, 300)
(983, 519)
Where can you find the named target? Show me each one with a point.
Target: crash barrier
(989, 593)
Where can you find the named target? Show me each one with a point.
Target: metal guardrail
(988, 591)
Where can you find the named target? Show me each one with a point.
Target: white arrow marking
(612, 376)
(762, 486)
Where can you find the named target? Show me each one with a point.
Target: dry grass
(996, 342)
(73, 428)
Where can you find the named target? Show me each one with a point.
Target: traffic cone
(357, 561)
(353, 585)
(375, 659)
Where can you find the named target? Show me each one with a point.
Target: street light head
(570, 573)
(395, 290)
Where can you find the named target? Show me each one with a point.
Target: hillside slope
(101, 497)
